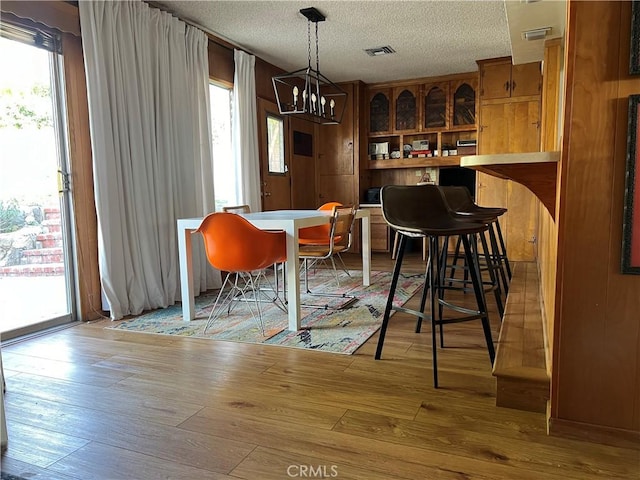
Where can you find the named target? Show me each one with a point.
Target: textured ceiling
(430, 37)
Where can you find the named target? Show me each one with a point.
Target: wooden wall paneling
(86, 227)
(302, 168)
(336, 188)
(520, 228)
(264, 86)
(624, 303)
(221, 63)
(551, 89)
(596, 352)
(397, 176)
(361, 141)
(336, 142)
(547, 233)
(547, 249)
(63, 16)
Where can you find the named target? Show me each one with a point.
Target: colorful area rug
(325, 329)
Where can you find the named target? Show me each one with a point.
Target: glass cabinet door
(379, 113)
(435, 107)
(406, 110)
(464, 105)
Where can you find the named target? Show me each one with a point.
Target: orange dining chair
(319, 235)
(247, 209)
(338, 240)
(234, 245)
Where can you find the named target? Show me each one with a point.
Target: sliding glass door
(36, 281)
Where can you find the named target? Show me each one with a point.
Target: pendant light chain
(309, 40)
(317, 55)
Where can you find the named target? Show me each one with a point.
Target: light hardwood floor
(90, 403)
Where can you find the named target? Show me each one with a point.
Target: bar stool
(421, 211)
(460, 202)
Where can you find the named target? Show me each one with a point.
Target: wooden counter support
(537, 171)
(522, 381)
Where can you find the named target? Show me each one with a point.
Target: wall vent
(378, 51)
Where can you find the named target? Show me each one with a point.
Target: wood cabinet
(430, 114)
(500, 79)
(509, 122)
(510, 127)
(379, 230)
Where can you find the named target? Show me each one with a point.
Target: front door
(274, 170)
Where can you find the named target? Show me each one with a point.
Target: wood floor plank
(40, 447)
(30, 471)
(272, 464)
(200, 450)
(62, 370)
(160, 410)
(96, 461)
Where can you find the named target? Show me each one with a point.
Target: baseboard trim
(615, 437)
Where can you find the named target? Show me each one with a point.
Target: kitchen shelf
(420, 162)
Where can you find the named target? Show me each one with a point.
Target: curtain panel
(245, 131)
(147, 82)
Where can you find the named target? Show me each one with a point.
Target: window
(224, 168)
(275, 142)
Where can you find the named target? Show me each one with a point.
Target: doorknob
(267, 194)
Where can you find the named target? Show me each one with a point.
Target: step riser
(50, 243)
(40, 259)
(53, 227)
(32, 271)
(49, 240)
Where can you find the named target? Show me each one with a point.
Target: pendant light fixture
(306, 93)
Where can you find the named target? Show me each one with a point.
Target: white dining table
(291, 221)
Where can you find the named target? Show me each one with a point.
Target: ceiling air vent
(377, 51)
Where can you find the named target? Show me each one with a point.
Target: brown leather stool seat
(421, 211)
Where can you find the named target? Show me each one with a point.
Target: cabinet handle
(506, 86)
(513, 85)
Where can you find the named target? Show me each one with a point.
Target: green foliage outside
(26, 108)
(11, 217)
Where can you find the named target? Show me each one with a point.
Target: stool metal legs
(434, 285)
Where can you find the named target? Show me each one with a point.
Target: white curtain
(245, 131)
(147, 81)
